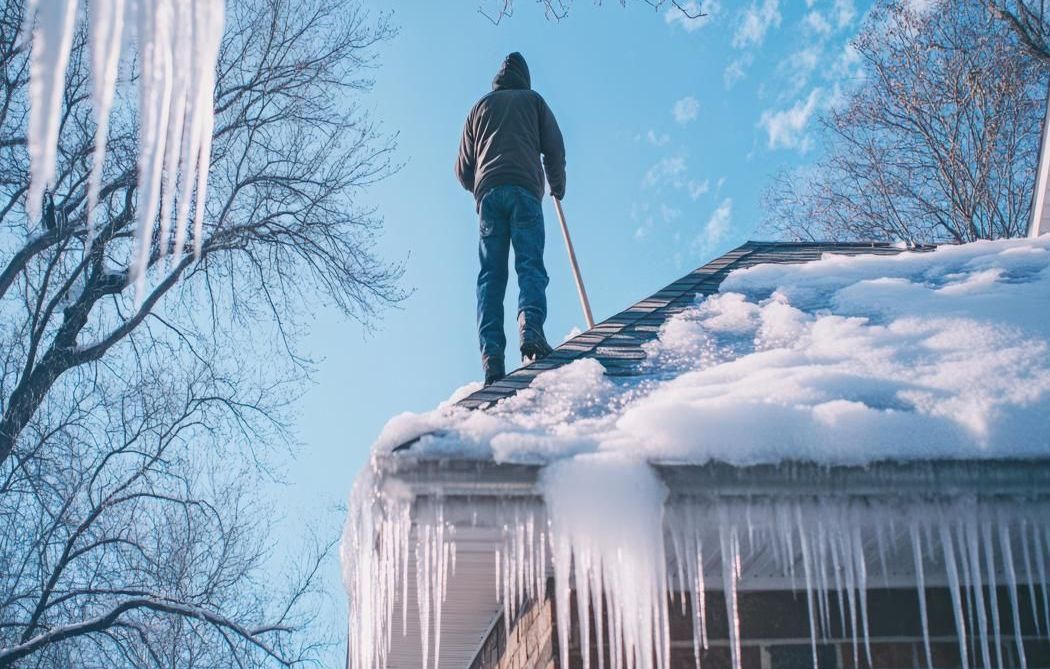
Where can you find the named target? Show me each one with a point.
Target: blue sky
(673, 129)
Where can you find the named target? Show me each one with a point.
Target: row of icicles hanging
(178, 46)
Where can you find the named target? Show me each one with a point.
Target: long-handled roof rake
(584, 302)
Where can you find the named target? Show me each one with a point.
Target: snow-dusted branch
(559, 9)
(1029, 20)
(102, 622)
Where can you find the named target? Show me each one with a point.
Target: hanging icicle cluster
(178, 45)
(626, 550)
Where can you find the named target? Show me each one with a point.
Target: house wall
(775, 632)
(529, 642)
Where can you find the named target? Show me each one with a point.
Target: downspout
(1040, 223)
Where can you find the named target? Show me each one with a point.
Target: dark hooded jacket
(506, 133)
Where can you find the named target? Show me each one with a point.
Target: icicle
(1029, 575)
(181, 32)
(955, 589)
(597, 606)
(701, 593)
(861, 580)
(993, 590)
(807, 570)
(880, 542)
(784, 522)
(920, 587)
(823, 583)
(676, 544)
(561, 550)
(499, 575)
(1011, 586)
(583, 576)
(727, 538)
(975, 579)
(154, 24)
(840, 588)
(1044, 584)
(106, 33)
(423, 591)
(52, 40)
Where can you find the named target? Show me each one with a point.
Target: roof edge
(451, 477)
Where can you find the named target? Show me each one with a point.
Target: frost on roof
(947, 352)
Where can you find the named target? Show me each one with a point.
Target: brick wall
(529, 642)
(775, 631)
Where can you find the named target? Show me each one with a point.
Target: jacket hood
(513, 74)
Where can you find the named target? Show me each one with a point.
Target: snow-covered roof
(617, 343)
(809, 402)
(835, 353)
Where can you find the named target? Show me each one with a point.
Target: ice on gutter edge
(625, 548)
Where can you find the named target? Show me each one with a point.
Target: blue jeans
(510, 216)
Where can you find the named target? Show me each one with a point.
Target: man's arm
(465, 161)
(553, 148)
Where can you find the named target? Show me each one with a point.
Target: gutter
(460, 478)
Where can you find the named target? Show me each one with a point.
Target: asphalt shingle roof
(617, 341)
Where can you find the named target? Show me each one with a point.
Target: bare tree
(938, 143)
(1029, 20)
(497, 10)
(134, 438)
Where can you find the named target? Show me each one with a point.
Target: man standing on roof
(499, 162)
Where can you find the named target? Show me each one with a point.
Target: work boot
(535, 348)
(494, 370)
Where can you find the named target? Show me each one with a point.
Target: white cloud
(687, 17)
(737, 69)
(669, 171)
(921, 7)
(716, 228)
(698, 188)
(668, 213)
(846, 72)
(657, 140)
(816, 22)
(799, 66)
(847, 65)
(786, 128)
(686, 109)
(844, 12)
(756, 23)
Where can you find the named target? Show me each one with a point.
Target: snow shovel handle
(584, 302)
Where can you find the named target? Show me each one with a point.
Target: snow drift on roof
(845, 360)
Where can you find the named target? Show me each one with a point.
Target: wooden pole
(584, 302)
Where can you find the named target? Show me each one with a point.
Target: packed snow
(178, 46)
(847, 360)
(948, 352)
